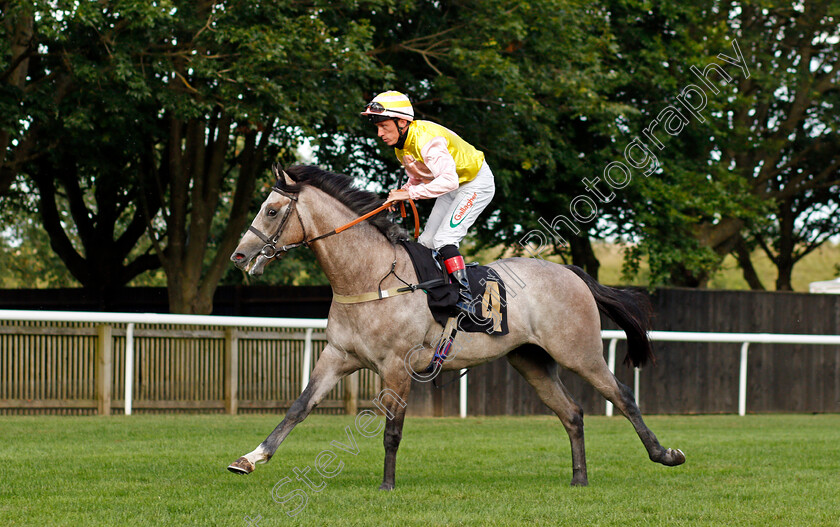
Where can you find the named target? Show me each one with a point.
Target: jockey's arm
(400, 194)
(442, 166)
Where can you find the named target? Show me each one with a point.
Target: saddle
(486, 286)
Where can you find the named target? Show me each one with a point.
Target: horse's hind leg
(621, 396)
(541, 372)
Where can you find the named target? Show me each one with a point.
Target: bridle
(270, 249)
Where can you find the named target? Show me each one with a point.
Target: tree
(763, 152)
(17, 48)
(25, 255)
(76, 146)
(799, 226)
(796, 164)
(190, 102)
(523, 82)
(92, 180)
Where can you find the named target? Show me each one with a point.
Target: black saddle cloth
(486, 286)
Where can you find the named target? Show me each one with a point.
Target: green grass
(762, 470)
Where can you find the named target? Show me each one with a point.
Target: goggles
(374, 107)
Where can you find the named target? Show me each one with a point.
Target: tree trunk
(184, 297)
(742, 253)
(783, 278)
(683, 277)
(197, 152)
(784, 259)
(584, 256)
(721, 237)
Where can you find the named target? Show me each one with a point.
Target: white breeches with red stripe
(455, 212)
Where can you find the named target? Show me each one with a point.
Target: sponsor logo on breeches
(461, 212)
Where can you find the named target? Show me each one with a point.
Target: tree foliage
(762, 165)
(524, 82)
(145, 128)
(148, 117)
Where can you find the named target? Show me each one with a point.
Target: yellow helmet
(389, 104)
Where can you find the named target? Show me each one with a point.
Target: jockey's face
(388, 131)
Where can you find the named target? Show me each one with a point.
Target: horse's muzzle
(254, 265)
(240, 260)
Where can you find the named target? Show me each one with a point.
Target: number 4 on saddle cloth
(486, 286)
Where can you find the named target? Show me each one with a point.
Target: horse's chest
(372, 340)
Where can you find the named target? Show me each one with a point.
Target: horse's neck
(355, 260)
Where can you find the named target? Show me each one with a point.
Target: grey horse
(553, 321)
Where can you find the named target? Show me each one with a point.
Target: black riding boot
(454, 263)
(465, 299)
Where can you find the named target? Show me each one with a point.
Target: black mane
(342, 188)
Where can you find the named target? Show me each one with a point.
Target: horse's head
(279, 225)
(276, 229)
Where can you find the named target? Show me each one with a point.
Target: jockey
(439, 165)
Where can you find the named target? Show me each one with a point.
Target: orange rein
(416, 217)
(377, 210)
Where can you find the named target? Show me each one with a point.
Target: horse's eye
(271, 212)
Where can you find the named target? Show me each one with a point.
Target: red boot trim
(456, 263)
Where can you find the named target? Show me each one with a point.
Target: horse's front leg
(393, 400)
(331, 367)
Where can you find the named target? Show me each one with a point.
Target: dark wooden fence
(687, 377)
(280, 301)
(701, 377)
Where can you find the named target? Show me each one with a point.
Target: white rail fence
(745, 339)
(130, 319)
(613, 336)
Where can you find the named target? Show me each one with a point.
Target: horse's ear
(279, 173)
(289, 182)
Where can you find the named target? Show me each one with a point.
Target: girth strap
(373, 295)
(379, 295)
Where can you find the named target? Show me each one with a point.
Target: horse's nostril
(239, 256)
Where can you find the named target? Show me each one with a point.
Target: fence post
(351, 393)
(742, 381)
(104, 368)
(307, 360)
(231, 371)
(129, 367)
(611, 365)
(462, 395)
(637, 386)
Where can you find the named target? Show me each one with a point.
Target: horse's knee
(297, 411)
(392, 438)
(627, 394)
(573, 423)
(576, 419)
(301, 406)
(626, 402)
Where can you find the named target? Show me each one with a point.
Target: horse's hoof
(241, 466)
(579, 477)
(673, 457)
(386, 486)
